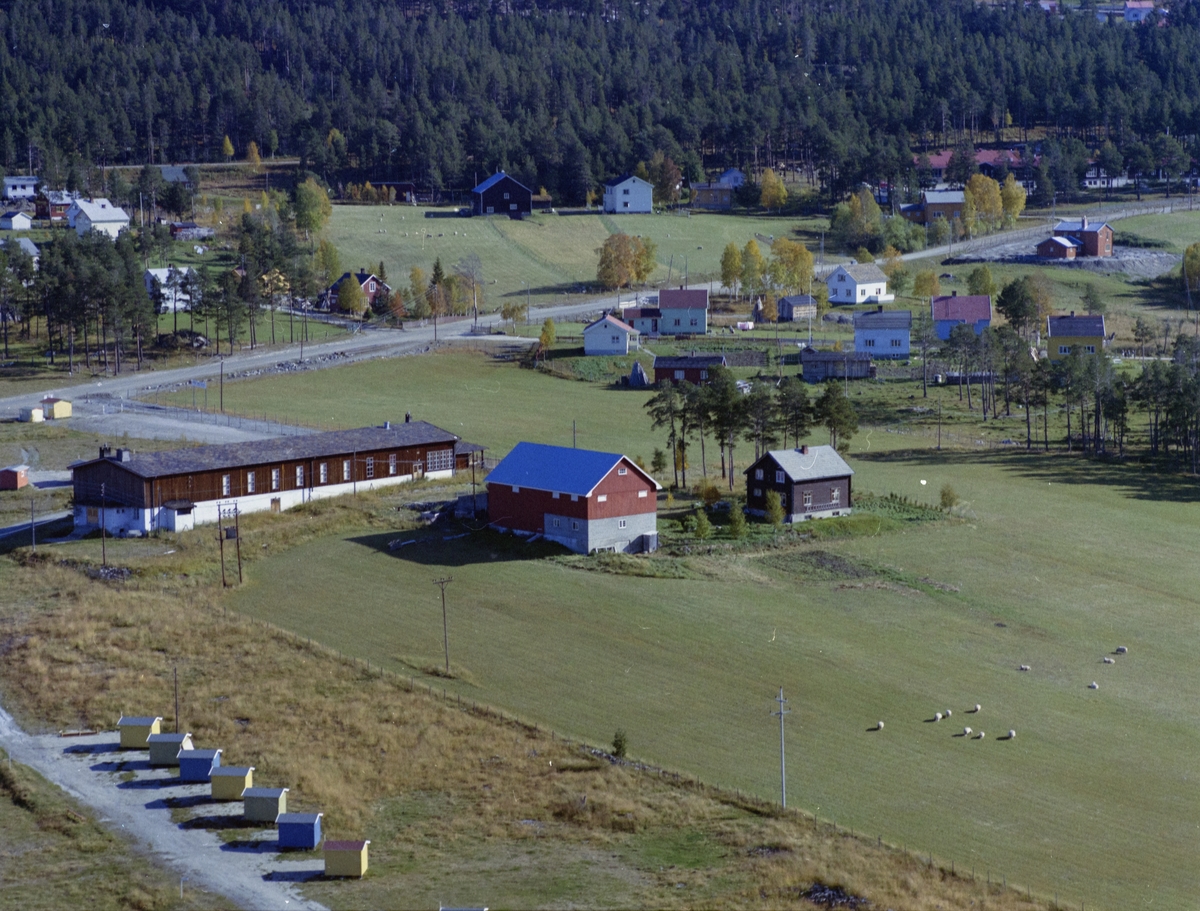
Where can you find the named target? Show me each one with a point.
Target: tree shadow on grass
(1132, 479)
(430, 547)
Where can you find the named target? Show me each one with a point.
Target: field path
(91, 770)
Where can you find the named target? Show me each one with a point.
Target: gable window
(622, 471)
(225, 486)
(625, 192)
(506, 196)
(574, 525)
(276, 478)
(345, 469)
(557, 523)
(249, 482)
(299, 475)
(642, 494)
(779, 477)
(370, 466)
(841, 277)
(835, 495)
(603, 498)
(392, 463)
(323, 472)
(807, 499)
(758, 474)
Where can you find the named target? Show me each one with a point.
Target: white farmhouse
(885, 335)
(608, 335)
(19, 188)
(864, 283)
(628, 194)
(97, 215)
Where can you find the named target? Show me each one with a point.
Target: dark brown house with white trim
(813, 482)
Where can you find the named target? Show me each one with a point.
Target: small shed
(301, 831)
(165, 748)
(264, 804)
(346, 858)
(14, 477)
(15, 221)
(33, 414)
(197, 765)
(136, 730)
(56, 409)
(230, 782)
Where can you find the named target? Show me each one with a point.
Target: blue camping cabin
(299, 831)
(197, 765)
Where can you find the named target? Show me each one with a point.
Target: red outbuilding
(585, 500)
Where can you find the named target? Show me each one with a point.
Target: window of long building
(249, 482)
(439, 460)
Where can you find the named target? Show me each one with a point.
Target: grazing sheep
(1011, 733)
(879, 725)
(1093, 685)
(937, 716)
(1023, 667)
(1121, 650)
(948, 713)
(966, 732)
(980, 735)
(978, 708)
(1108, 660)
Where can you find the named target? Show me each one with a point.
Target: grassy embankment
(56, 855)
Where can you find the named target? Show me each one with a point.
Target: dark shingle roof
(684, 361)
(617, 181)
(886, 319)
(815, 356)
(557, 468)
(262, 452)
(1088, 325)
(969, 308)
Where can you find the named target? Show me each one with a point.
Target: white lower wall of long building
(125, 520)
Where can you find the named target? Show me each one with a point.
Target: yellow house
(1085, 332)
(33, 414)
(136, 730)
(346, 858)
(56, 409)
(229, 782)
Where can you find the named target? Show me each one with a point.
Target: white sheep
(980, 735)
(1121, 650)
(937, 716)
(1108, 660)
(978, 708)
(1093, 685)
(1011, 733)
(1023, 667)
(966, 732)
(949, 713)
(879, 725)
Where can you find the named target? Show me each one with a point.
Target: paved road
(90, 769)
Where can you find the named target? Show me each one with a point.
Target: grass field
(1091, 799)
(547, 257)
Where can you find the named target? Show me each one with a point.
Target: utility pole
(782, 764)
(237, 538)
(221, 543)
(223, 376)
(177, 699)
(32, 527)
(442, 583)
(103, 530)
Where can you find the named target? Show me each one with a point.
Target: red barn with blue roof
(585, 500)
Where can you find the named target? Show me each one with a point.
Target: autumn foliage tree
(625, 260)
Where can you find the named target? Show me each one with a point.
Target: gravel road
(92, 770)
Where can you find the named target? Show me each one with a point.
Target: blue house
(948, 311)
(299, 831)
(885, 335)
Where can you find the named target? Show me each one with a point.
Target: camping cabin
(136, 730)
(165, 748)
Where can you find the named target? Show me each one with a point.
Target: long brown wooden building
(175, 490)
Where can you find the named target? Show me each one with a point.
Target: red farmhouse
(587, 501)
(691, 368)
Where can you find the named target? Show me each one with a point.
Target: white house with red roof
(608, 335)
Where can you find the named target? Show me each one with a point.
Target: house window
(603, 498)
(371, 287)
(625, 192)
(555, 495)
(512, 207)
(779, 477)
(392, 463)
(491, 209)
(841, 278)
(642, 494)
(695, 322)
(869, 342)
(862, 292)
(299, 475)
(323, 470)
(835, 495)
(574, 525)
(441, 460)
(516, 490)
(616, 339)
(1063, 349)
(506, 196)
(678, 323)
(1090, 349)
(758, 491)
(758, 474)
(249, 482)
(625, 205)
(370, 466)
(225, 486)
(574, 498)
(345, 469)
(276, 478)
(622, 471)
(557, 523)
(703, 374)
(678, 374)
(621, 523)
(807, 499)
(895, 343)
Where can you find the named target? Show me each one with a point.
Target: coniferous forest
(569, 92)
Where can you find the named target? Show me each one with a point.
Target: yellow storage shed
(136, 730)
(229, 782)
(346, 858)
(32, 414)
(56, 409)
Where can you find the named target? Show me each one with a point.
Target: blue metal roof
(495, 179)
(557, 468)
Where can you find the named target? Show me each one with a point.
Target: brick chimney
(804, 450)
(1084, 223)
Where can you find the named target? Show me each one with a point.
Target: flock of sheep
(980, 735)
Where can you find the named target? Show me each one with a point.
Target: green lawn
(547, 257)
(1092, 799)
